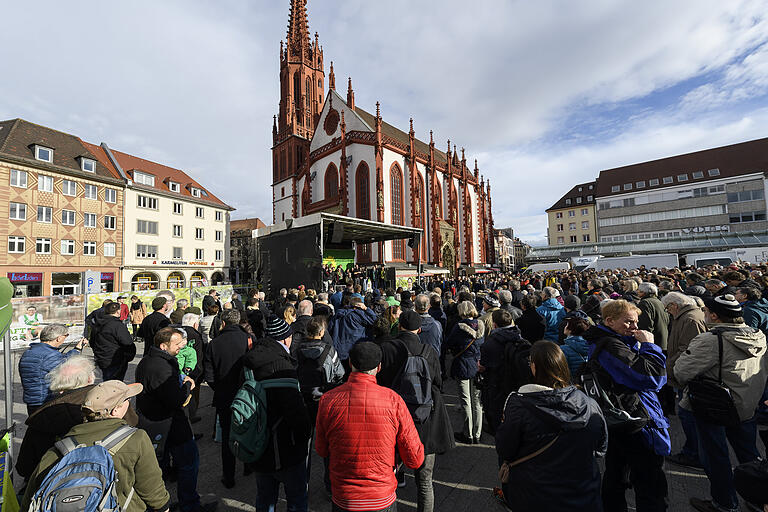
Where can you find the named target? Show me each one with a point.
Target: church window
(331, 182)
(363, 199)
(421, 214)
(396, 182)
(439, 200)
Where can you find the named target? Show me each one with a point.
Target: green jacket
(135, 463)
(187, 357)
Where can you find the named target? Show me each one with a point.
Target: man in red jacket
(359, 426)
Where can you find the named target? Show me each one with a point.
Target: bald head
(305, 308)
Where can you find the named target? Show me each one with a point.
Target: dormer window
(87, 164)
(174, 187)
(144, 178)
(194, 191)
(44, 154)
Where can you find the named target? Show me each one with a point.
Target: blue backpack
(84, 479)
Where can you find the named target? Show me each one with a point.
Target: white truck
(563, 266)
(745, 254)
(636, 261)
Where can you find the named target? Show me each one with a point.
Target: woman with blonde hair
(289, 314)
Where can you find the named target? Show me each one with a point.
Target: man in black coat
(256, 317)
(164, 397)
(436, 433)
(223, 366)
(154, 322)
(304, 312)
(532, 325)
(112, 344)
(271, 359)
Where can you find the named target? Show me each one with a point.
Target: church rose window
(331, 122)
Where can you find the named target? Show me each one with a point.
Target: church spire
(331, 78)
(298, 27)
(350, 95)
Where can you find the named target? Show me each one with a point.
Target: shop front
(66, 283)
(107, 282)
(26, 284)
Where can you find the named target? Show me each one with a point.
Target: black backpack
(312, 372)
(414, 385)
(517, 369)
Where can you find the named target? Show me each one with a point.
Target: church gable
(329, 125)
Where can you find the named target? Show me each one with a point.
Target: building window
(574, 239)
(109, 249)
(199, 234)
(68, 247)
(571, 213)
(584, 211)
(177, 231)
(18, 178)
(199, 213)
(331, 182)
(43, 154)
(178, 208)
(219, 236)
(627, 186)
(396, 190)
(668, 179)
(640, 184)
(747, 217)
(714, 172)
(89, 220)
(69, 188)
(199, 254)
(146, 202)
(174, 187)
(144, 178)
(571, 226)
(89, 248)
(362, 190)
(110, 195)
(146, 227)
(219, 255)
(68, 217)
(585, 238)
(146, 251)
(110, 222)
(87, 165)
(18, 211)
(698, 174)
(43, 246)
(615, 188)
(560, 240)
(44, 183)
(578, 200)
(16, 244)
(194, 191)
(653, 182)
(568, 202)
(282, 191)
(559, 215)
(177, 253)
(44, 214)
(745, 195)
(682, 177)
(91, 192)
(559, 227)
(219, 216)
(590, 198)
(585, 224)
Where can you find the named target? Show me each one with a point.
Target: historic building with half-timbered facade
(331, 155)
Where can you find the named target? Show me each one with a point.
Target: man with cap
(154, 322)
(138, 473)
(223, 367)
(285, 458)
(436, 432)
(744, 372)
(164, 396)
(360, 426)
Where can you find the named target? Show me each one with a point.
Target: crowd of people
(558, 370)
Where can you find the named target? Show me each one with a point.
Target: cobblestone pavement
(463, 478)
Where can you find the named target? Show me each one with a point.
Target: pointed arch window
(363, 194)
(331, 182)
(439, 200)
(396, 189)
(421, 213)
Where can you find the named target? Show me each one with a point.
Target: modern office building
(571, 220)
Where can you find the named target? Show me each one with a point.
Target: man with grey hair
(39, 359)
(506, 298)
(431, 332)
(686, 322)
(178, 313)
(170, 300)
(653, 318)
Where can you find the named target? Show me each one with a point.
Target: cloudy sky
(544, 94)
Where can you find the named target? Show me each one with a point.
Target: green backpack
(249, 432)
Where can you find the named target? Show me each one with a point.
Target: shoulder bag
(710, 399)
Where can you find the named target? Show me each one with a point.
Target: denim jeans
(472, 407)
(227, 457)
(425, 492)
(714, 454)
(186, 459)
(688, 422)
(115, 372)
(294, 480)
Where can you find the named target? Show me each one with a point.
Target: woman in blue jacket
(575, 347)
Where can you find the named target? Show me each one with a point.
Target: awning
(344, 229)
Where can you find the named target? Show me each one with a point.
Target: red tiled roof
(572, 194)
(734, 160)
(249, 224)
(163, 174)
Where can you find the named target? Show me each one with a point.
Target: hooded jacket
(464, 343)
(688, 324)
(348, 326)
(625, 365)
(308, 353)
(566, 475)
(492, 359)
(111, 343)
(553, 312)
(576, 350)
(745, 367)
(431, 332)
(755, 313)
